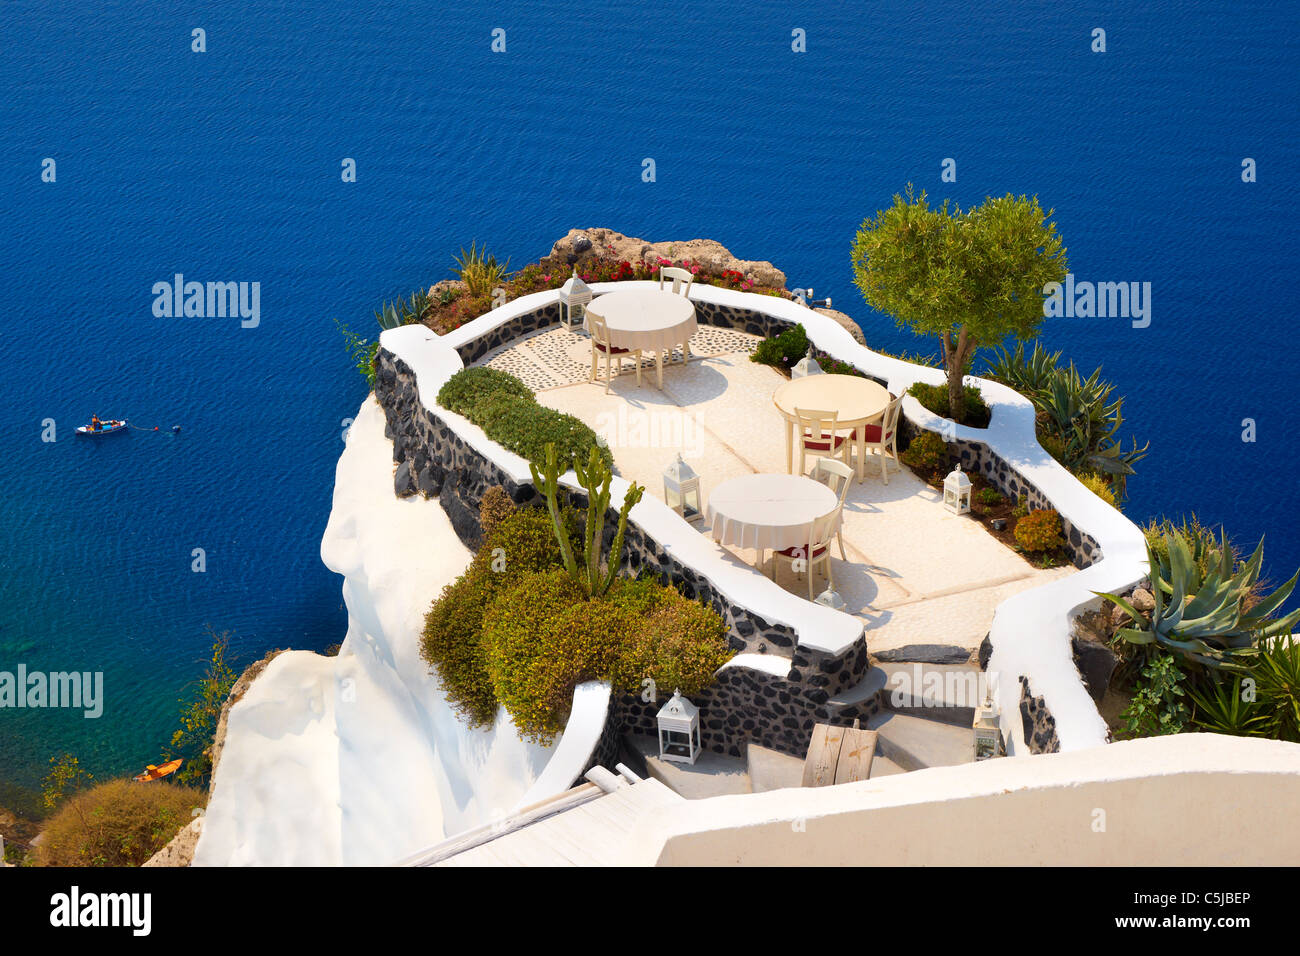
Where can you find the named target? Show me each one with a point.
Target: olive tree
(970, 277)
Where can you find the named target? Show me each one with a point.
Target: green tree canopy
(971, 277)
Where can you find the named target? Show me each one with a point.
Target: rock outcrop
(708, 254)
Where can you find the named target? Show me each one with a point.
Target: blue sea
(225, 166)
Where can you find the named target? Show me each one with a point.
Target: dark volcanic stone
(403, 485)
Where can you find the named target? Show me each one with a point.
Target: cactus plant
(1201, 608)
(595, 478)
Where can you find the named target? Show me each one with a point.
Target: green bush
(927, 454)
(507, 411)
(544, 637)
(527, 428)
(1040, 531)
(494, 508)
(1099, 486)
(989, 497)
(782, 350)
(470, 386)
(679, 644)
(1157, 706)
(521, 543)
(118, 823)
(975, 412)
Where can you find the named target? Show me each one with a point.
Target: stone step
(861, 692)
(882, 766)
(772, 770)
(943, 692)
(915, 743)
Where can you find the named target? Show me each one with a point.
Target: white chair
(817, 434)
(836, 476)
(817, 551)
(678, 276)
(681, 285)
(601, 345)
(882, 436)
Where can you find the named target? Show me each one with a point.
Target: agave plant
(480, 272)
(595, 479)
(1226, 708)
(392, 315)
(1201, 602)
(1030, 375)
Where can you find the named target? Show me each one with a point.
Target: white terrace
(925, 581)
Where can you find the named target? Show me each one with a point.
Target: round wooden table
(856, 402)
(648, 319)
(768, 512)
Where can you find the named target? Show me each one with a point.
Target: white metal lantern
(574, 298)
(987, 737)
(956, 491)
(830, 598)
(806, 366)
(682, 490)
(679, 730)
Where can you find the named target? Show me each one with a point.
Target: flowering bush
(1040, 531)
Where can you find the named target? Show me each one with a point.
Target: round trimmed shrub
(118, 823)
(521, 543)
(927, 454)
(1039, 531)
(543, 637)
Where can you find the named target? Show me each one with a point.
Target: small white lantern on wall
(956, 491)
(682, 490)
(987, 737)
(575, 295)
(679, 730)
(806, 366)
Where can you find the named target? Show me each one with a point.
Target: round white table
(856, 401)
(647, 319)
(768, 512)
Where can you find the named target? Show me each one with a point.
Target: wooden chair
(882, 436)
(816, 551)
(602, 346)
(817, 435)
(836, 476)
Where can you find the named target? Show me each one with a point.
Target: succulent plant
(594, 477)
(1201, 603)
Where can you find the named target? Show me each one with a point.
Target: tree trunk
(955, 357)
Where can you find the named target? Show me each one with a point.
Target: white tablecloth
(646, 319)
(769, 512)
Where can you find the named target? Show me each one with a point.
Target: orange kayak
(155, 773)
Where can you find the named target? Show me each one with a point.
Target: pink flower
(695, 270)
(546, 278)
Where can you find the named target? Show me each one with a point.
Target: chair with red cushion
(817, 434)
(805, 558)
(836, 476)
(602, 346)
(882, 437)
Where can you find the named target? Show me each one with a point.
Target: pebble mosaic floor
(553, 358)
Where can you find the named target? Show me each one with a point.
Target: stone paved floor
(917, 574)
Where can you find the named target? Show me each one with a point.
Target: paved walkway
(919, 575)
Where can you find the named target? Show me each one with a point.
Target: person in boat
(95, 424)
